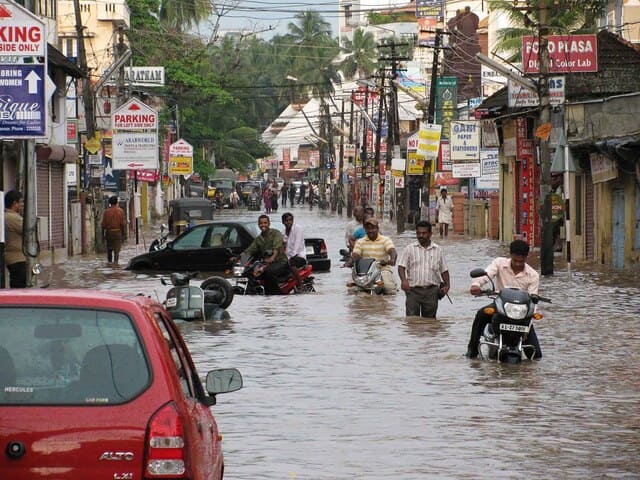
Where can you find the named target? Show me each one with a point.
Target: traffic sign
(93, 145)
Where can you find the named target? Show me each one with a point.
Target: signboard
(489, 178)
(181, 158)
(135, 151)
(22, 33)
(72, 130)
(429, 8)
(429, 140)
(134, 115)
(22, 100)
(465, 140)
(519, 96)
(567, 53)
(603, 168)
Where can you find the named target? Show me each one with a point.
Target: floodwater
(343, 386)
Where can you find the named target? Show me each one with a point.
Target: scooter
(190, 303)
(160, 243)
(505, 336)
(366, 276)
(249, 279)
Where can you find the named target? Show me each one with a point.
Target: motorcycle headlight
(238, 270)
(517, 311)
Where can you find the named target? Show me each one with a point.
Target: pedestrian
(292, 193)
(444, 213)
(274, 197)
(380, 248)
(358, 212)
(113, 229)
(14, 257)
(423, 272)
(234, 198)
(284, 193)
(266, 198)
(301, 197)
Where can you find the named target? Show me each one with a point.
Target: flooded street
(344, 386)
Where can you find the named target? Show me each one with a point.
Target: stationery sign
(465, 140)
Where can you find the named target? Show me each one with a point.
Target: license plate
(309, 250)
(172, 302)
(514, 328)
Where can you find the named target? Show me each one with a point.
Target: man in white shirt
(422, 268)
(505, 272)
(294, 246)
(444, 212)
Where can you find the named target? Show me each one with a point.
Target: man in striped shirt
(422, 269)
(377, 246)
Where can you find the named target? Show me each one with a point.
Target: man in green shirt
(270, 240)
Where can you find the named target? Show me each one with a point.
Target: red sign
(145, 175)
(567, 53)
(358, 96)
(21, 32)
(72, 131)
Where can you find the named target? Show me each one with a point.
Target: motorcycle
(506, 335)
(249, 279)
(160, 243)
(190, 303)
(366, 276)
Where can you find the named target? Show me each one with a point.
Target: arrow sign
(134, 165)
(33, 79)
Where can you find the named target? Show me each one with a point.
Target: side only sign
(23, 106)
(180, 158)
(134, 115)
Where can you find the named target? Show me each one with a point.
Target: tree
(184, 14)
(565, 17)
(362, 55)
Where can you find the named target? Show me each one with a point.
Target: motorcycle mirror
(477, 272)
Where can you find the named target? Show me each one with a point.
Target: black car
(208, 247)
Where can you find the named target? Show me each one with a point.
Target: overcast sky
(271, 15)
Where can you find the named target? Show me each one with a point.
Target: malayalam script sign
(567, 53)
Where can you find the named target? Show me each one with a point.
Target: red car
(97, 385)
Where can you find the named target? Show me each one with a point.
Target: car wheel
(217, 290)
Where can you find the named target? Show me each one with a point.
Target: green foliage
(361, 55)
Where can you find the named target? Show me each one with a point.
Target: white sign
(519, 96)
(466, 170)
(21, 33)
(412, 142)
(135, 151)
(489, 178)
(465, 140)
(180, 148)
(429, 140)
(134, 115)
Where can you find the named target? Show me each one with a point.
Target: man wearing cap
(381, 248)
(444, 212)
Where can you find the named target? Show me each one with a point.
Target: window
(192, 239)
(182, 370)
(69, 356)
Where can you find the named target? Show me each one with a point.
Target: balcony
(114, 11)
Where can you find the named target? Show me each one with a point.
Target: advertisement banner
(429, 8)
(489, 178)
(429, 140)
(465, 141)
(567, 53)
(134, 151)
(446, 103)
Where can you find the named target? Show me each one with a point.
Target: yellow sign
(180, 165)
(415, 164)
(93, 145)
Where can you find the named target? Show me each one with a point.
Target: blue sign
(22, 101)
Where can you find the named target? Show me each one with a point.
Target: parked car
(102, 385)
(209, 247)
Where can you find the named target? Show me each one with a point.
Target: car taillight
(166, 446)
(323, 248)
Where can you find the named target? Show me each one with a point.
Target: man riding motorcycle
(269, 240)
(380, 248)
(505, 272)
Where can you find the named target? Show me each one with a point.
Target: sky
(270, 16)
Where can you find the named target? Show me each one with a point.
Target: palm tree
(563, 17)
(181, 15)
(362, 54)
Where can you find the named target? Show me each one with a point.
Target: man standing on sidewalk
(113, 229)
(422, 270)
(14, 257)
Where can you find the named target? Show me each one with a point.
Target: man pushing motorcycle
(269, 242)
(505, 272)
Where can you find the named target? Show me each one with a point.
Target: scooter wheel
(222, 291)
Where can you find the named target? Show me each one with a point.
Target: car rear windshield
(69, 356)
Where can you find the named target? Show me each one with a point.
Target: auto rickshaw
(186, 212)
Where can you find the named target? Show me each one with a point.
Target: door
(618, 228)
(636, 232)
(187, 250)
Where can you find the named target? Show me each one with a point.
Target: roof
(55, 57)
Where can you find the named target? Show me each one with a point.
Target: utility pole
(363, 157)
(340, 186)
(546, 250)
(351, 187)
